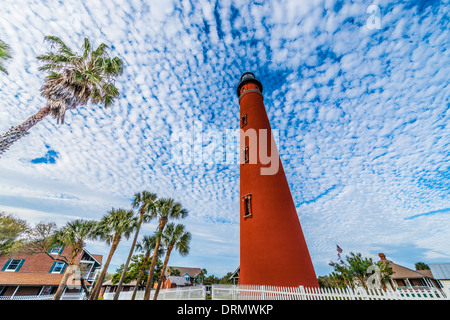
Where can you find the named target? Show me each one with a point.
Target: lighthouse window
(243, 120)
(247, 205)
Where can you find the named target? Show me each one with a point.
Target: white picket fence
(180, 293)
(248, 292)
(66, 296)
(245, 292)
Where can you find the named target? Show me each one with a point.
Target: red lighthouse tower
(273, 250)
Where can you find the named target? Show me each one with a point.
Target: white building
(441, 272)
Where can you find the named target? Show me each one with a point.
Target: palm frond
(115, 66)
(5, 54)
(86, 48)
(63, 48)
(50, 66)
(100, 51)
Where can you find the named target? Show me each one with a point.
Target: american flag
(339, 250)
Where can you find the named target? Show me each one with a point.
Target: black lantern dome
(246, 78)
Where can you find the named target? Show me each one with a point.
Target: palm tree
(73, 234)
(147, 245)
(73, 80)
(145, 201)
(203, 274)
(173, 272)
(116, 224)
(5, 54)
(174, 237)
(165, 209)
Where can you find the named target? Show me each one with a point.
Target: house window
(247, 202)
(243, 120)
(56, 249)
(13, 265)
(58, 267)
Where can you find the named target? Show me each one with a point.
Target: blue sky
(362, 116)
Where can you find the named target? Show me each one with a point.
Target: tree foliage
(5, 54)
(75, 79)
(12, 230)
(355, 270)
(421, 266)
(40, 239)
(134, 269)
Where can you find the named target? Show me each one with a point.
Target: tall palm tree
(73, 234)
(148, 244)
(73, 80)
(145, 201)
(174, 237)
(165, 209)
(117, 223)
(5, 54)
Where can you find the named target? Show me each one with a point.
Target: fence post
(302, 293)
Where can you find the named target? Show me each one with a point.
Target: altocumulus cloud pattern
(362, 115)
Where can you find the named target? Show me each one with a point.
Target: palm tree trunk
(67, 272)
(62, 284)
(141, 273)
(166, 261)
(148, 286)
(15, 133)
(98, 284)
(85, 289)
(158, 287)
(125, 268)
